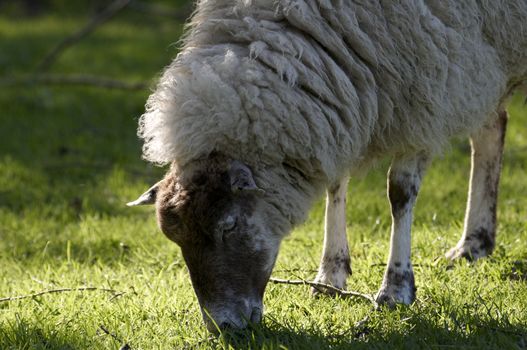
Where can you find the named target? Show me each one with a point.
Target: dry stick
(341, 292)
(110, 333)
(125, 345)
(291, 272)
(101, 18)
(81, 80)
(61, 290)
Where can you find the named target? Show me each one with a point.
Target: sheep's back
(329, 84)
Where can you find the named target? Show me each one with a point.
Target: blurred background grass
(70, 159)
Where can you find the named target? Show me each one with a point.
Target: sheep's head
(213, 211)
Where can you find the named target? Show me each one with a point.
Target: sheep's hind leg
(335, 262)
(479, 233)
(404, 180)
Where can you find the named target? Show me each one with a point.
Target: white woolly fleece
(327, 86)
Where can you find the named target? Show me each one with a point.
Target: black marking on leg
(338, 263)
(343, 263)
(485, 242)
(491, 184)
(469, 255)
(400, 195)
(331, 267)
(486, 239)
(401, 279)
(333, 191)
(397, 264)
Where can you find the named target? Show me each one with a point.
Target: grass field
(70, 159)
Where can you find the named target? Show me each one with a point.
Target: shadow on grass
(22, 335)
(77, 156)
(417, 333)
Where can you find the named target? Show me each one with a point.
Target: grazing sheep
(272, 101)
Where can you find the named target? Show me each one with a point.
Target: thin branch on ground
(413, 265)
(61, 290)
(125, 346)
(110, 11)
(296, 270)
(323, 286)
(75, 79)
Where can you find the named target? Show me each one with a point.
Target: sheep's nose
(255, 317)
(233, 318)
(225, 325)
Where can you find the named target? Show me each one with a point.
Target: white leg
(404, 179)
(479, 233)
(335, 263)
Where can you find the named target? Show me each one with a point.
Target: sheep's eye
(225, 227)
(228, 224)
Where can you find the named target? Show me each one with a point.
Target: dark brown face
(213, 215)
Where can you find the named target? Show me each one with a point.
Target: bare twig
(77, 79)
(413, 265)
(105, 330)
(101, 18)
(125, 346)
(61, 290)
(306, 271)
(341, 292)
(117, 295)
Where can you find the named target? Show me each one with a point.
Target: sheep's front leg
(335, 263)
(404, 179)
(479, 233)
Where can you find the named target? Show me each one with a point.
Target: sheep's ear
(242, 178)
(149, 197)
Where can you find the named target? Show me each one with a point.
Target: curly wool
(329, 86)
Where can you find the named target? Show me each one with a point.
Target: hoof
(398, 287)
(469, 252)
(335, 275)
(320, 290)
(478, 244)
(391, 298)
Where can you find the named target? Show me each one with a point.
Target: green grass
(70, 159)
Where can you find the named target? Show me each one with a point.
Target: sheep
(270, 102)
